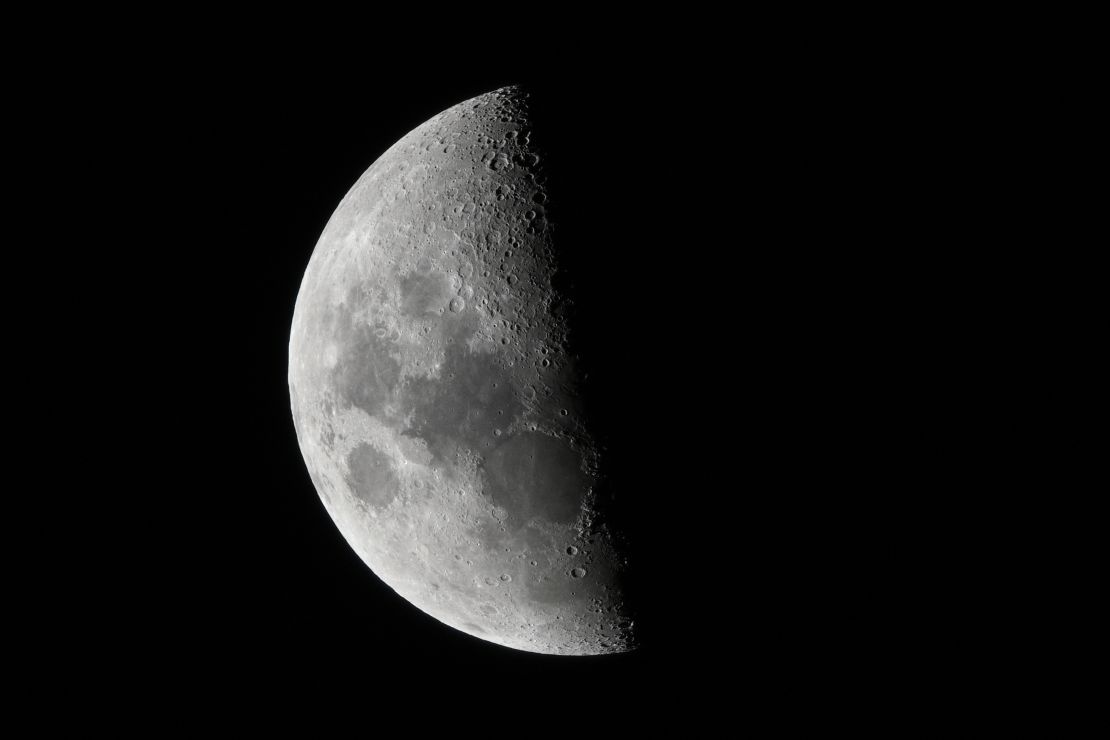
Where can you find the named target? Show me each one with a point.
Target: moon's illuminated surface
(434, 399)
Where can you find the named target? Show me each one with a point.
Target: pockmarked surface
(434, 398)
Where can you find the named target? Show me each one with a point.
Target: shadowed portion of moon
(438, 393)
(468, 410)
(535, 475)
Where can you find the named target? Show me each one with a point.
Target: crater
(371, 476)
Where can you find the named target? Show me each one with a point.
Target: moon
(435, 399)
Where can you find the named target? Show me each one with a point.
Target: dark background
(801, 240)
(272, 575)
(727, 218)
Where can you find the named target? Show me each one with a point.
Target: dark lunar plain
(735, 226)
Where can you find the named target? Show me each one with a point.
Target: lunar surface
(435, 401)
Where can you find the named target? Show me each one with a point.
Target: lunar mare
(434, 399)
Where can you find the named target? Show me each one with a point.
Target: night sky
(731, 270)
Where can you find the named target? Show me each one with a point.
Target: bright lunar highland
(434, 398)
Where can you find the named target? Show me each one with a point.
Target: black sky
(725, 211)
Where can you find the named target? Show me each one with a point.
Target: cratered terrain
(437, 404)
